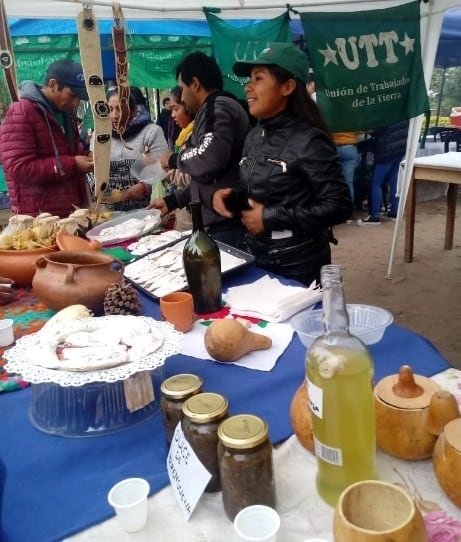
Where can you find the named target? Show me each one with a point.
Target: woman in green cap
(292, 190)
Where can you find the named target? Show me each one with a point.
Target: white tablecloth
(303, 513)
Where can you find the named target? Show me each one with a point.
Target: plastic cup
(129, 500)
(257, 523)
(6, 332)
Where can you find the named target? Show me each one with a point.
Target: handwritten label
(188, 476)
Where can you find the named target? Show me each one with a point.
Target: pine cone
(122, 298)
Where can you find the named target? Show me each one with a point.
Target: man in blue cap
(40, 149)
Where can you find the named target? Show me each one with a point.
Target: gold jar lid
(243, 431)
(205, 407)
(181, 386)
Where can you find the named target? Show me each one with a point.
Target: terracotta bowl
(19, 265)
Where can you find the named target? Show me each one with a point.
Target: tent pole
(232, 6)
(429, 40)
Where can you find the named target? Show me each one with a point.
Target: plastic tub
(129, 225)
(365, 321)
(97, 408)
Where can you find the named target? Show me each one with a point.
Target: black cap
(70, 74)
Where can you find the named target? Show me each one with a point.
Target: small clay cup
(178, 309)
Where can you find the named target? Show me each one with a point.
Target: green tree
(450, 95)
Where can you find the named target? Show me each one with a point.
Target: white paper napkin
(270, 300)
(263, 360)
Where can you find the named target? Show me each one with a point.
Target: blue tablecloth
(56, 486)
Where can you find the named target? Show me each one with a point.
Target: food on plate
(229, 340)
(72, 312)
(93, 343)
(132, 227)
(301, 418)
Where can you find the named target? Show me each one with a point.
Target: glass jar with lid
(202, 415)
(245, 463)
(175, 390)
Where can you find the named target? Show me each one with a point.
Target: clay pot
(402, 406)
(72, 277)
(376, 511)
(447, 460)
(19, 265)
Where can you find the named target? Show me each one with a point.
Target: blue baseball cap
(70, 74)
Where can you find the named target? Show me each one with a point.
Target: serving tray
(161, 271)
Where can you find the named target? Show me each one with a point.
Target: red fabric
(31, 170)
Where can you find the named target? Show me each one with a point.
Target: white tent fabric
(432, 12)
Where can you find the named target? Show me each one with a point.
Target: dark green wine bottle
(202, 265)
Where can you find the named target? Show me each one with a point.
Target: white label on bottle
(315, 399)
(333, 456)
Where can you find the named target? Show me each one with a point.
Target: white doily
(20, 359)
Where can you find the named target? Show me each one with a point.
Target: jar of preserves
(202, 415)
(245, 463)
(175, 390)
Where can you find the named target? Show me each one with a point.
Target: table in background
(57, 486)
(443, 168)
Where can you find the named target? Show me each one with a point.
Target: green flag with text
(232, 44)
(367, 66)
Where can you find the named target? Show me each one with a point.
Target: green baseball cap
(285, 55)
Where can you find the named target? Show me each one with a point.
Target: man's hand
(84, 164)
(219, 202)
(159, 204)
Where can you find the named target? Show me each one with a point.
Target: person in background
(164, 116)
(390, 148)
(41, 152)
(290, 174)
(185, 120)
(212, 153)
(6, 290)
(346, 144)
(141, 136)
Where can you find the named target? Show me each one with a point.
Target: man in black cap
(40, 149)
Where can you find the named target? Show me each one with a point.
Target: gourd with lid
(411, 411)
(447, 460)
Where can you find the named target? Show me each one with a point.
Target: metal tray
(161, 271)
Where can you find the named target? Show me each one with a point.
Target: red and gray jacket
(37, 155)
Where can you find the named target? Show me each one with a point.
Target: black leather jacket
(293, 169)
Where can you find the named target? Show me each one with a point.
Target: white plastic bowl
(365, 321)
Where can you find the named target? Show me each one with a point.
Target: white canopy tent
(432, 12)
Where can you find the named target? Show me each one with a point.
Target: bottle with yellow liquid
(339, 372)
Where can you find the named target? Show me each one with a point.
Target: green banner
(367, 66)
(232, 44)
(153, 58)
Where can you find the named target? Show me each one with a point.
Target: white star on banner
(329, 54)
(408, 43)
